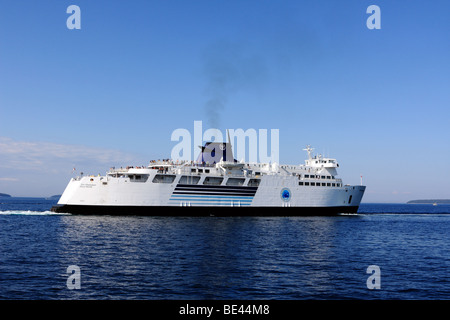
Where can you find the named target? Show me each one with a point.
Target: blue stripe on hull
(201, 195)
(196, 199)
(193, 196)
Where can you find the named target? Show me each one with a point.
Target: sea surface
(242, 258)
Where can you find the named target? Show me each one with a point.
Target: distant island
(55, 197)
(4, 195)
(430, 201)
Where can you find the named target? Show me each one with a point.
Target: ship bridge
(318, 161)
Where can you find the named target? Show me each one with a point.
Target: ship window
(300, 183)
(212, 181)
(328, 184)
(163, 178)
(193, 170)
(200, 170)
(314, 184)
(235, 181)
(206, 170)
(322, 177)
(253, 182)
(323, 184)
(333, 184)
(306, 183)
(189, 180)
(328, 177)
(138, 177)
(306, 175)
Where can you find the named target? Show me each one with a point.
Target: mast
(309, 150)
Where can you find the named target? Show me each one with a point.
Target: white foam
(31, 213)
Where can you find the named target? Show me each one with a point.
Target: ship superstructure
(216, 184)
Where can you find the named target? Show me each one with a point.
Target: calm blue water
(225, 258)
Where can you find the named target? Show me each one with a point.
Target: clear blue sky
(112, 93)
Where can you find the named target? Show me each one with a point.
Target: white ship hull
(222, 189)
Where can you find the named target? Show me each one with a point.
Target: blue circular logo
(285, 194)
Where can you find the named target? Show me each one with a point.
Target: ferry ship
(214, 185)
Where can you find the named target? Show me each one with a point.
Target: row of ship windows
(168, 178)
(318, 184)
(200, 170)
(305, 176)
(315, 176)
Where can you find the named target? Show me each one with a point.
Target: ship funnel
(214, 152)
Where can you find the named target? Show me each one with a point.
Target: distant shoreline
(430, 201)
(55, 197)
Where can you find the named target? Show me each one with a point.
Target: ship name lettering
(87, 185)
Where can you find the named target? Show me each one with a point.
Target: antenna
(309, 150)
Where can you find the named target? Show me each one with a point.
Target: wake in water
(32, 213)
